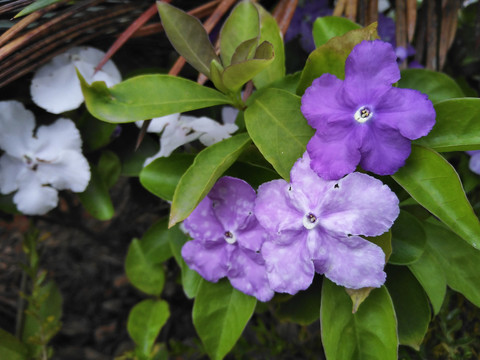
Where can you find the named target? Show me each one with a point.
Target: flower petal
(384, 151)
(274, 210)
(202, 223)
(229, 115)
(370, 70)
(333, 159)
(11, 170)
(406, 110)
(289, 267)
(474, 163)
(209, 260)
(16, 128)
(32, 198)
(360, 205)
(212, 131)
(54, 138)
(353, 262)
(158, 124)
(252, 275)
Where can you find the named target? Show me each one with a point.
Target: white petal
(69, 171)
(16, 128)
(213, 132)
(55, 86)
(229, 115)
(34, 199)
(11, 169)
(158, 124)
(52, 139)
(174, 137)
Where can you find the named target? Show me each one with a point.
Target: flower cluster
(278, 240)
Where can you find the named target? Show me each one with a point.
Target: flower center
(363, 114)
(310, 221)
(229, 237)
(30, 162)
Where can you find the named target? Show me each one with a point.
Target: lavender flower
(227, 238)
(364, 119)
(315, 226)
(474, 163)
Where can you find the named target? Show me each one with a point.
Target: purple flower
(474, 163)
(227, 239)
(364, 119)
(315, 226)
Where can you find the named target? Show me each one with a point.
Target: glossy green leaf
(145, 321)
(255, 175)
(96, 198)
(438, 86)
(408, 241)
(191, 280)
(435, 185)
(147, 96)
(220, 313)
(457, 127)
(269, 31)
(278, 128)
(370, 333)
(245, 51)
(242, 24)
(109, 168)
(327, 27)
(145, 258)
(384, 241)
(411, 306)
(188, 37)
(95, 134)
(236, 75)
(330, 57)
(162, 175)
(11, 348)
(200, 177)
(216, 75)
(133, 160)
(460, 262)
(429, 273)
(37, 5)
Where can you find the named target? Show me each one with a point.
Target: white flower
(178, 130)
(37, 165)
(55, 86)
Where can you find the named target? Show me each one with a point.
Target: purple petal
(353, 262)
(406, 110)
(370, 70)
(252, 275)
(210, 261)
(324, 103)
(474, 163)
(273, 209)
(384, 151)
(333, 159)
(233, 201)
(289, 267)
(202, 224)
(253, 235)
(360, 205)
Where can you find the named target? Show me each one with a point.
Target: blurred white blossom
(177, 130)
(55, 86)
(38, 164)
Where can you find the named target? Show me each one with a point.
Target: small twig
(21, 306)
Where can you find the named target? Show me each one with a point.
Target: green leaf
(278, 128)
(236, 75)
(408, 239)
(191, 280)
(220, 313)
(457, 127)
(254, 174)
(370, 333)
(145, 258)
(330, 57)
(327, 27)
(11, 348)
(245, 51)
(133, 160)
(200, 177)
(109, 168)
(242, 24)
(438, 86)
(216, 75)
(95, 134)
(460, 263)
(37, 5)
(162, 175)
(435, 185)
(145, 321)
(147, 96)
(269, 31)
(188, 37)
(96, 198)
(411, 306)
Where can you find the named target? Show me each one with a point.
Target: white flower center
(363, 114)
(229, 237)
(31, 162)
(310, 221)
